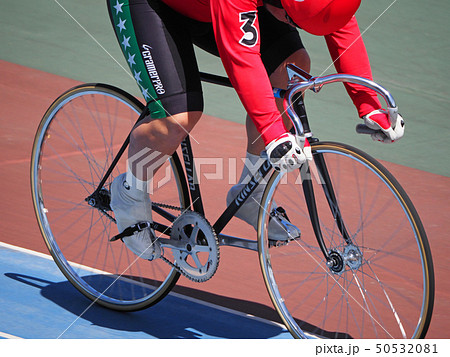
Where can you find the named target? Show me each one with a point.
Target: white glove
(390, 126)
(286, 154)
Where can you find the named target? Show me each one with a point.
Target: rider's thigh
(164, 134)
(157, 45)
(300, 58)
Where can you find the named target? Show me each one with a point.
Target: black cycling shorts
(157, 43)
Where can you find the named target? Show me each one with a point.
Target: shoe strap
(129, 231)
(279, 212)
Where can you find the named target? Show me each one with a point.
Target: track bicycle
(362, 267)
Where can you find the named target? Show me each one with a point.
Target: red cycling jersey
(236, 30)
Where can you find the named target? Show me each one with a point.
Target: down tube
(242, 197)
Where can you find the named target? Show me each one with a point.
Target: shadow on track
(172, 318)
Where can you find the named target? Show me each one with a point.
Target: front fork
(334, 261)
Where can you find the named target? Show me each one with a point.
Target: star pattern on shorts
(118, 7)
(121, 25)
(130, 59)
(137, 76)
(145, 93)
(126, 42)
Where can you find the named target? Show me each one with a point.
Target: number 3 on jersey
(249, 29)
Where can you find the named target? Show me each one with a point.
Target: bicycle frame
(337, 278)
(299, 81)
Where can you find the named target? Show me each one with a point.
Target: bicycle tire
(75, 144)
(385, 286)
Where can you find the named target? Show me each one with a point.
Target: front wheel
(76, 142)
(379, 280)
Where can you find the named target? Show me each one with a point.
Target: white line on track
(8, 336)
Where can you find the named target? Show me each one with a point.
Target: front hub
(351, 257)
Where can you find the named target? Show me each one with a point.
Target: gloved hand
(286, 153)
(390, 126)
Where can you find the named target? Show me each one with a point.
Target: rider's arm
(236, 29)
(349, 54)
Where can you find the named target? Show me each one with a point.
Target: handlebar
(300, 80)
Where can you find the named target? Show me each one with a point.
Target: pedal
(278, 243)
(293, 232)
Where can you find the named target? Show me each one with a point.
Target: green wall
(407, 40)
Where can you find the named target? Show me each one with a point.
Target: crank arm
(173, 244)
(237, 242)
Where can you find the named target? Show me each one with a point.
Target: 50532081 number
(405, 348)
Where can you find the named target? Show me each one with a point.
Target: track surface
(406, 45)
(238, 285)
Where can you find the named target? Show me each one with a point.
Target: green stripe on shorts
(130, 48)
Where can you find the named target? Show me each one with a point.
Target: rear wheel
(77, 140)
(379, 282)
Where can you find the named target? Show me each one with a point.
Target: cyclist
(255, 39)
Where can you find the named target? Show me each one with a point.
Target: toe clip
(129, 231)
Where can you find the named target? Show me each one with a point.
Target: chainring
(200, 257)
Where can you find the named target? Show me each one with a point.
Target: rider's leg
(158, 48)
(278, 229)
(158, 138)
(151, 143)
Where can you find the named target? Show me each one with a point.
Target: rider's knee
(301, 59)
(172, 128)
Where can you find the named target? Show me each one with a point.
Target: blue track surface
(39, 303)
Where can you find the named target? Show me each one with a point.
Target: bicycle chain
(164, 205)
(111, 218)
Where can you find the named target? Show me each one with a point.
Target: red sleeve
(349, 54)
(236, 29)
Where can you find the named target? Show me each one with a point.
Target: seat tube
(193, 183)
